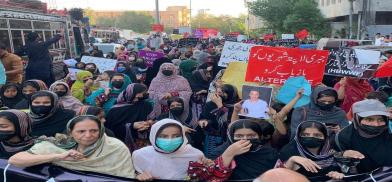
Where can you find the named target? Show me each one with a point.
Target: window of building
(41, 25)
(3, 23)
(5, 38)
(17, 39)
(20, 24)
(382, 18)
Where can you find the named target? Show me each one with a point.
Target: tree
(105, 21)
(305, 14)
(223, 23)
(138, 22)
(290, 16)
(76, 13)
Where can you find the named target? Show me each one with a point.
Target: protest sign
(157, 27)
(344, 62)
(232, 36)
(367, 56)
(150, 56)
(103, 64)
(289, 90)
(288, 36)
(276, 64)
(70, 62)
(186, 42)
(234, 51)
(256, 101)
(235, 75)
(73, 72)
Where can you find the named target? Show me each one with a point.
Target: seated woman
(15, 130)
(86, 149)
(10, 95)
(47, 115)
(254, 157)
(28, 89)
(106, 98)
(125, 68)
(130, 115)
(368, 136)
(66, 99)
(84, 85)
(169, 156)
(177, 111)
(322, 108)
(310, 152)
(95, 111)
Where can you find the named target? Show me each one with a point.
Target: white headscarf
(163, 165)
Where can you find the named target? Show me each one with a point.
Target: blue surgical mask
(121, 69)
(169, 145)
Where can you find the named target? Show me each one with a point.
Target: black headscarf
(199, 80)
(22, 124)
(11, 102)
(152, 72)
(55, 121)
(252, 164)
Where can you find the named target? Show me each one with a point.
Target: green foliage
(76, 13)
(138, 22)
(290, 16)
(223, 23)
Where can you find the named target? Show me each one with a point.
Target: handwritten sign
(276, 64)
(186, 42)
(103, 64)
(344, 62)
(73, 72)
(234, 51)
(288, 36)
(150, 56)
(289, 90)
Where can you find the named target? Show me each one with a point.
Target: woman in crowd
(125, 68)
(28, 89)
(166, 85)
(15, 130)
(155, 69)
(66, 99)
(368, 136)
(140, 69)
(169, 156)
(86, 148)
(47, 114)
(351, 90)
(254, 157)
(93, 69)
(199, 82)
(310, 152)
(10, 95)
(104, 79)
(130, 116)
(95, 111)
(106, 98)
(214, 119)
(177, 111)
(83, 86)
(322, 108)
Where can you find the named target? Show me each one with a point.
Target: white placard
(103, 64)
(234, 51)
(367, 56)
(73, 72)
(71, 63)
(288, 36)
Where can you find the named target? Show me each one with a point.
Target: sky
(216, 7)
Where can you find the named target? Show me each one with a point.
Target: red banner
(207, 32)
(276, 64)
(302, 34)
(157, 28)
(384, 70)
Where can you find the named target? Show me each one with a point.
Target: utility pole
(350, 19)
(157, 20)
(190, 14)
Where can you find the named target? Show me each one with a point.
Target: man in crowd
(13, 65)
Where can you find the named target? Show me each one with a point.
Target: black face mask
(256, 144)
(311, 142)
(27, 96)
(117, 84)
(91, 70)
(373, 130)
(141, 99)
(61, 93)
(41, 109)
(325, 107)
(6, 135)
(167, 72)
(224, 98)
(177, 111)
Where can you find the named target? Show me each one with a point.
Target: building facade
(369, 16)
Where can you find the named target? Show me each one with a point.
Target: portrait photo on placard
(256, 101)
